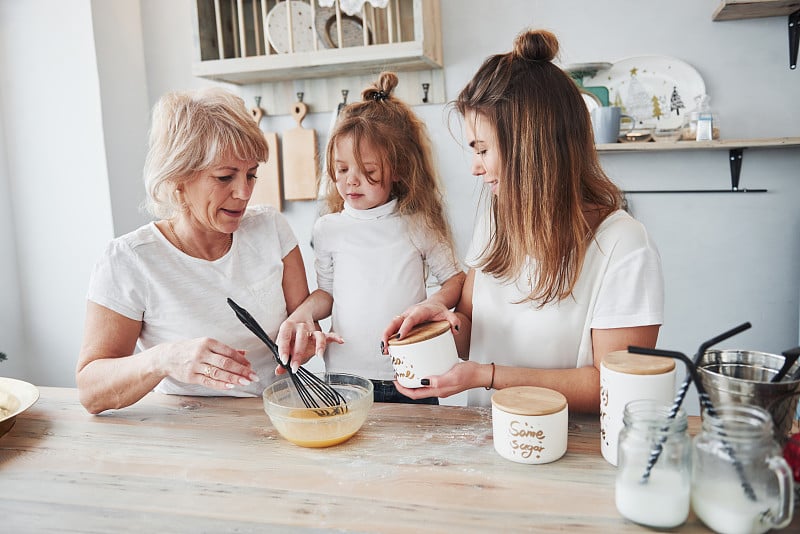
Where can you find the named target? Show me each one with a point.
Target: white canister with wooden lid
(529, 424)
(427, 350)
(626, 377)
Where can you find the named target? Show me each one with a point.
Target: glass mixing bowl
(311, 427)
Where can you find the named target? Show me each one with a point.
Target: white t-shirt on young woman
(144, 277)
(373, 263)
(621, 285)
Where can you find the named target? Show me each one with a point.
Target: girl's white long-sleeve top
(374, 264)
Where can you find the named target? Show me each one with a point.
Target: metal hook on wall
(425, 87)
(300, 96)
(343, 103)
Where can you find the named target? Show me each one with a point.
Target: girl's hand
(419, 313)
(299, 340)
(208, 362)
(461, 377)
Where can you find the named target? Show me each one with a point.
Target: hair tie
(379, 95)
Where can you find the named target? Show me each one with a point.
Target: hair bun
(536, 45)
(382, 89)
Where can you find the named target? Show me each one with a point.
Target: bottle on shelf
(701, 123)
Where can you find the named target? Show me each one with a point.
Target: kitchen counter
(194, 464)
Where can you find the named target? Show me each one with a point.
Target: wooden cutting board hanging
(268, 185)
(300, 159)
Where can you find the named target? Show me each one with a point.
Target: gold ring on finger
(207, 370)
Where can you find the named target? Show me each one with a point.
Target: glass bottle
(653, 494)
(701, 123)
(740, 481)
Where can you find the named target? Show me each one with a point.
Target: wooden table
(191, 464)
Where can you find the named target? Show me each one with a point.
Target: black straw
(676, 404)
(705, 403)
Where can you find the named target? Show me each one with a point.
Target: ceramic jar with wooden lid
(427, 350)
(626, 377)
(529, 424)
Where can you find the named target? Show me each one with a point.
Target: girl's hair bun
(536, 45)
(382, 89)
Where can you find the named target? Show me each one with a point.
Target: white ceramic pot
(626, 377)
(428, 350)
(529, 424)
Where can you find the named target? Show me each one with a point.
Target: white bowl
(16, 396)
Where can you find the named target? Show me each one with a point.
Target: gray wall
(727, 258)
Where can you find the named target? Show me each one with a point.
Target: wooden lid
(421, 332)
(529, 400)
(623, 361)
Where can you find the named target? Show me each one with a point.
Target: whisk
(313, 391)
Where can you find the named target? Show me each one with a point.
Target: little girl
(383, 232)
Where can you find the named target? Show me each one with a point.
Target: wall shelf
(735, 148)
(750, 9)
(233, 44)
(718, 144)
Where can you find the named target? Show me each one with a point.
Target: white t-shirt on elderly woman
(621, 285)
(145, 278)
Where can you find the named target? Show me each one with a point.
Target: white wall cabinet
(296, 46)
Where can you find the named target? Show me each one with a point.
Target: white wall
(55, 173)
(727, 258)
(125, 107)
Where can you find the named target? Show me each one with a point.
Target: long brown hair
(392, 128)
(550, 169)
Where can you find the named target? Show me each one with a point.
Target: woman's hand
(299, 340)
(423, 312)
(207, 362)
(463, 376)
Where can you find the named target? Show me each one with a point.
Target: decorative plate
(657, 90)
(581, 70)
(352, 28)
(16, 396)
(303, 33)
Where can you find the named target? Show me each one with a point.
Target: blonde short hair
(190, 132)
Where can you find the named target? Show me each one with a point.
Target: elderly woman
(157, 316)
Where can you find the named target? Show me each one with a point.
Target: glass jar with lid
(654, 470)
(740, 480)
(701, 123)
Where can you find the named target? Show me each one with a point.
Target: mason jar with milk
(740, 481)
(654, 472)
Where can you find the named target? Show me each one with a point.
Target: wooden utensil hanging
(268, 186)
(300, 158)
